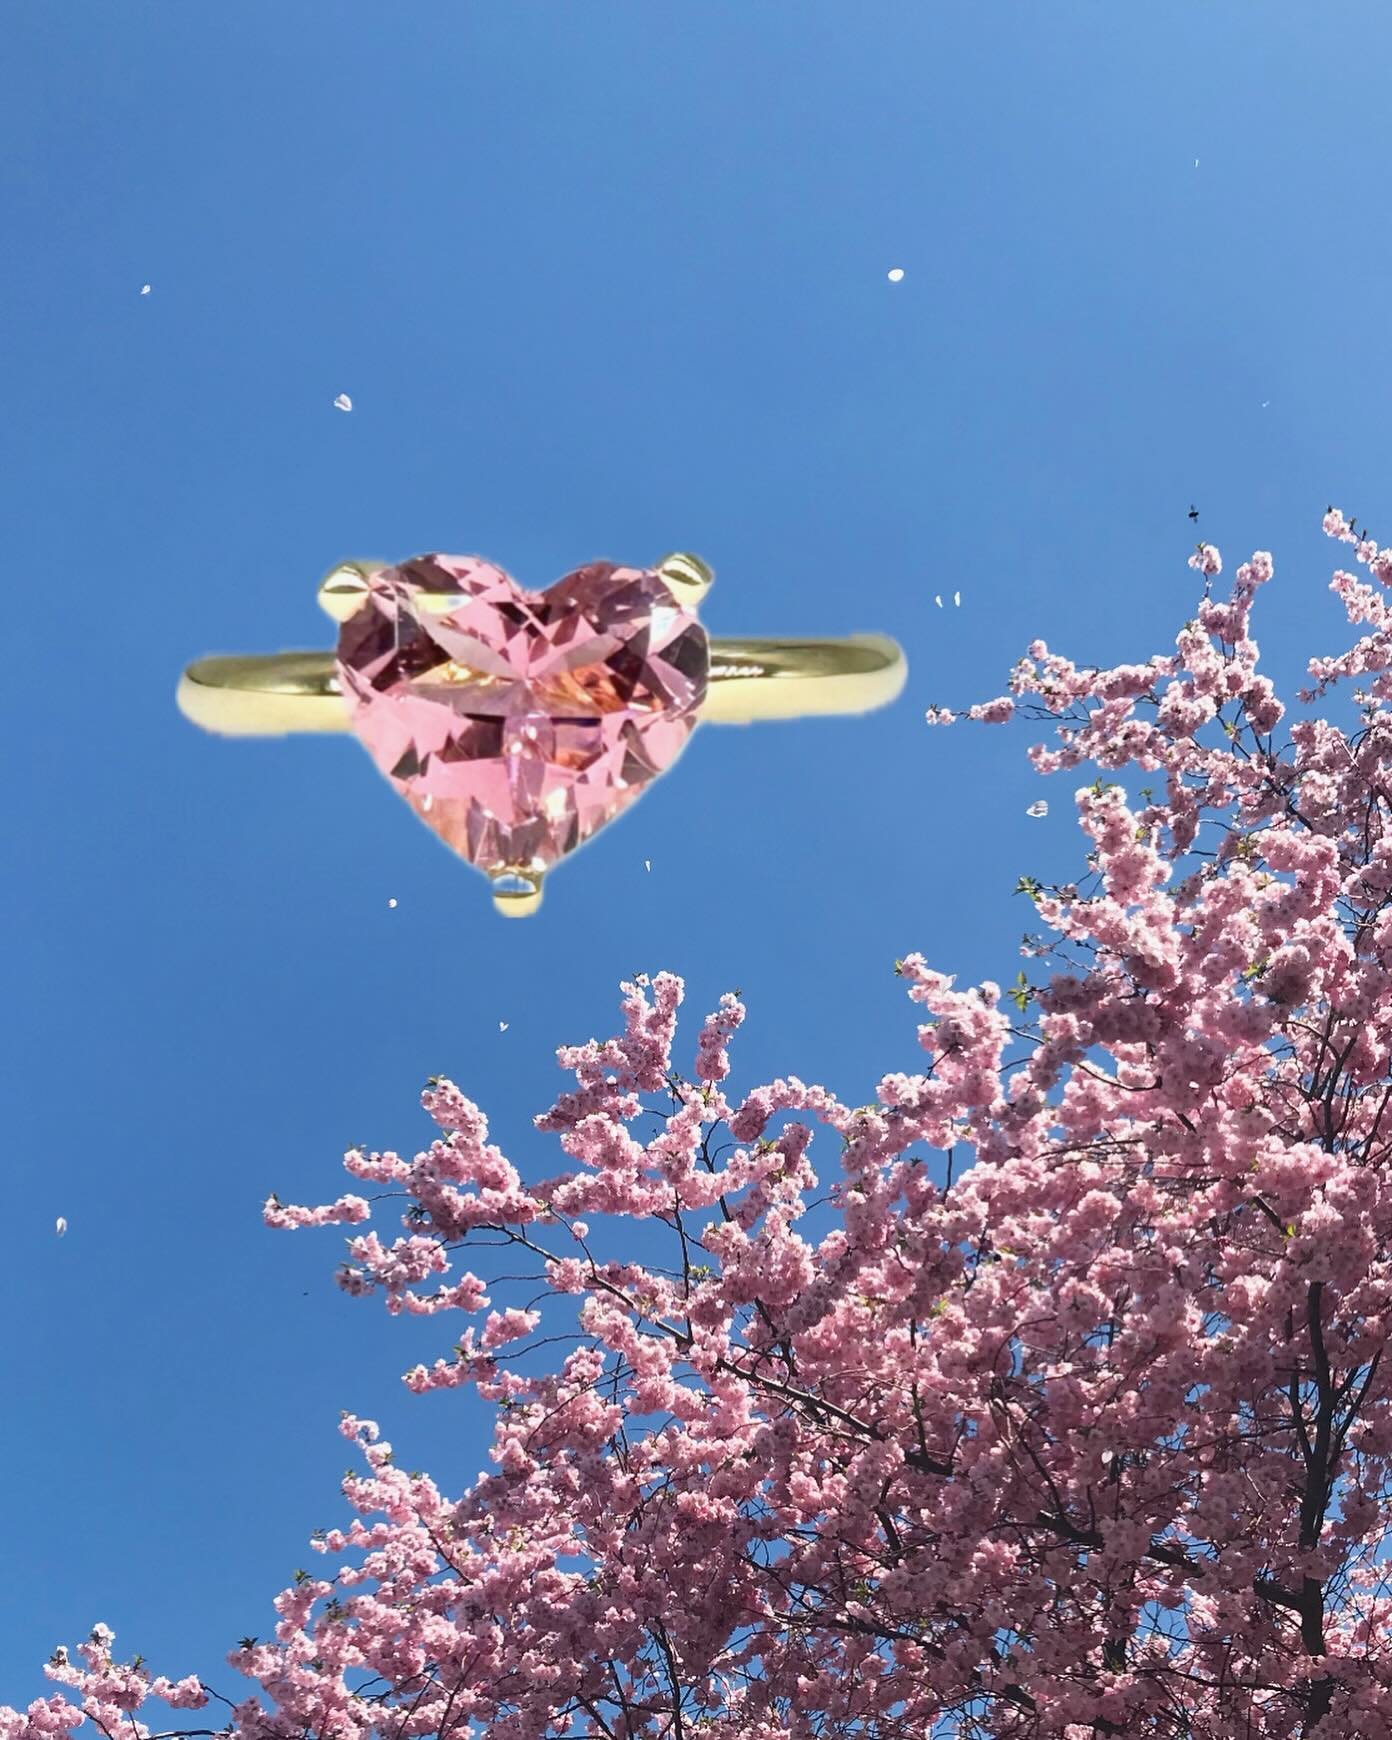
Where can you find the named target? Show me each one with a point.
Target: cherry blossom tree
(1044, 1397)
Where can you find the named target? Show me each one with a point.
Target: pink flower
(1046, 1393)
(1207, 559)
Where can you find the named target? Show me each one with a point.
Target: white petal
(60, 1226)
(896, 274)
(502, 1027)
(1038, 808)
(392, 902)
(343, 402)
(956, 597)
(937, 599)
(144, 289)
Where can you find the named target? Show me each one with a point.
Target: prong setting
(516, 891)
(688, 577)
(343, 590)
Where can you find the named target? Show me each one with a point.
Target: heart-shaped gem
(515, 723)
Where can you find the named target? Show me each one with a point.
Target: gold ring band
(274, 694)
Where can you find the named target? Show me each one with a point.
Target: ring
(516, 724)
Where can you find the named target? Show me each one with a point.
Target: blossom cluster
(1069, 1417)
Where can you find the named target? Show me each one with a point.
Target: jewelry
(517, 724)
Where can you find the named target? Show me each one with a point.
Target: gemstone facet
(515, 723)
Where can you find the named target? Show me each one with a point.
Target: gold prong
(343, 589)
(516, 892)
(687, 576)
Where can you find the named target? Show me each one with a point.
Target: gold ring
(516, 724)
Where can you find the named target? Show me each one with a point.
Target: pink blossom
(1043, 1397)
(1207, 559)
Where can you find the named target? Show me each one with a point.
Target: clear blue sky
(601, 280)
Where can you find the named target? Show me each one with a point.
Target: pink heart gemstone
(514, 723)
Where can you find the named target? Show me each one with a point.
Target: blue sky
(601, 281)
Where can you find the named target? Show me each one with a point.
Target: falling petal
(956, 597)
(60, 1226)
(343, 402)
(502, 1027)
(896, 274)
(1038, 808)
(391, 902)
(144, 289)
(937, 599)
(647, 863)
